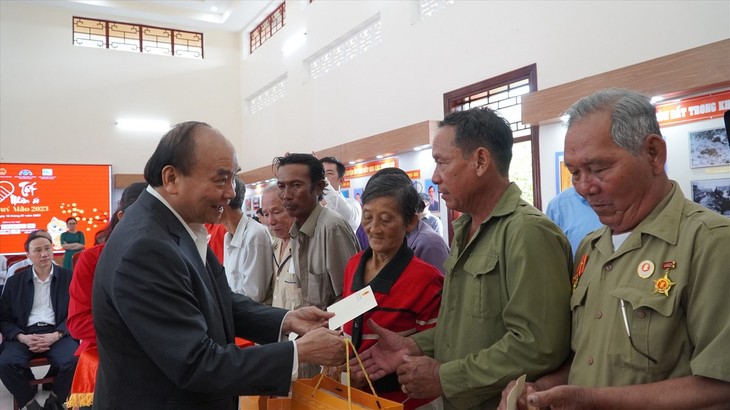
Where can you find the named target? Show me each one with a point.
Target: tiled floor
(6, 399)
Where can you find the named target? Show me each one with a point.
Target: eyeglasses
(628, 333)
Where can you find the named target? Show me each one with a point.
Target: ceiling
(194, 15)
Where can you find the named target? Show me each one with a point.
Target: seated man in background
(247, 250)
(651, 322)
(33, 312)
(18, 266)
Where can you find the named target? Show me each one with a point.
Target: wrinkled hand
(419, 377)
(321, 347)
(306, 319)
(563, 398)
(522, 400)
(384, 357)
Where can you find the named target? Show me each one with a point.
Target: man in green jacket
(651, 322)
(505, 308)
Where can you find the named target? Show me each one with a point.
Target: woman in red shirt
(79, 322)
(407, 289)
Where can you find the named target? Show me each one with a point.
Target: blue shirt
(573, 215)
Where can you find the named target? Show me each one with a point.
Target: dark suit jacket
(165, 323)
(17, 301)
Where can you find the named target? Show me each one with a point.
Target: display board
(43, 196)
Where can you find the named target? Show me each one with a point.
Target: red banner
(414, 174)
(369, 168)
(43, 196)
(693, 109)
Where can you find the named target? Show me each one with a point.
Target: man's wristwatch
(61, 334)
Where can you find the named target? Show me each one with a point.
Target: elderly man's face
(279, 220)
(201, 196)
(614, 181)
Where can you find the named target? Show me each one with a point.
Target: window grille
(271, 24)
(426, 8)
(347, 48)
(136, 38)
(271, 93)
(504, 95)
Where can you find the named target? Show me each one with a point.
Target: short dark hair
(237, 202)
(482, 127)
(39, 233)
(340, 166)
(316, 170)
(176, 148)
(70, 218)
(393, 183)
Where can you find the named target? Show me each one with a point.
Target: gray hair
(633, 117)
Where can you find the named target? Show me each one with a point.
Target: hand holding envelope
(351, 307)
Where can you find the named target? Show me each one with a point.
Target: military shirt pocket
(652, 320)
(577, 305)
(483, 288)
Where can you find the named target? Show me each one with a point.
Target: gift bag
(323, 392)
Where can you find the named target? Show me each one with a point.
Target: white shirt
(247, 259)
(42, 310)
(347, 208)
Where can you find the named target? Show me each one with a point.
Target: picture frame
(357, 194)
(434, 202)
(709, 148)
(713, 194)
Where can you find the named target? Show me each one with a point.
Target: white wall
(59, 103)
(403, 80)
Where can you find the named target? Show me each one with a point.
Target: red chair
(36, 362)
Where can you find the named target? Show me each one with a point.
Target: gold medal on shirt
(645, 269)
(663, 284)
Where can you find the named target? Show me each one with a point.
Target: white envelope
(351, 307)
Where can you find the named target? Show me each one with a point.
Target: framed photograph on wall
(433, 195)
(713, 194)
(357, 192)
(709, 148)
(345, 192)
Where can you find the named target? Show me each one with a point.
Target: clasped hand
(38, 343)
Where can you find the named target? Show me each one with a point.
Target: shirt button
(590, 360)
(640, 314)
(609, 267)
(599, 314)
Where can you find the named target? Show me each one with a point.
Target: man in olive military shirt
(505, 308)
(651, 321)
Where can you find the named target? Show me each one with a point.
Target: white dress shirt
(42, 310)
(247, 259)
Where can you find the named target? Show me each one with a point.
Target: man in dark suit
(33, 313)
(164, 314)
